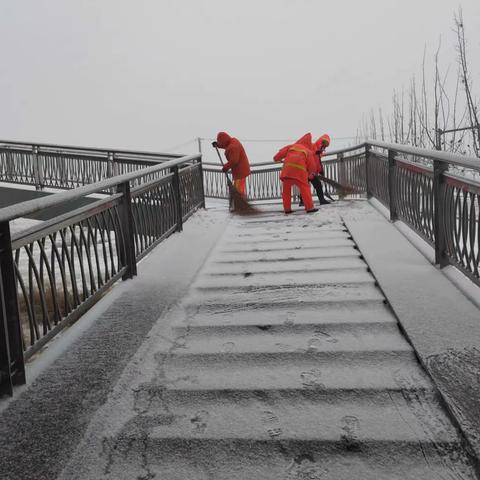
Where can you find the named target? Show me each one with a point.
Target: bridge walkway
(283, 361)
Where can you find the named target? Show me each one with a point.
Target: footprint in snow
(199, 421)
(311, 379)
(228, 347)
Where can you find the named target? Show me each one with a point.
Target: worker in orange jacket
(237, 160)
(318, 149)
(298, 164)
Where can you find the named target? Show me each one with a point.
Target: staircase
(287, 364)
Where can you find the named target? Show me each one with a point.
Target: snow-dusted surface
(280, 361)
(460, 280)
(69, 381)
(263, 375)
(440, 321)
(20, 224)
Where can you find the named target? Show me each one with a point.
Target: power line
(274, 140)
(176, 147)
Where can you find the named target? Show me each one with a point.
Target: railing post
(202, 186)
(111, 168)
(177, 197)
(126, 217)
(12, 366)
(367, 180)
(391, 185)
(109, 164)
(37, 169)
(199, 143)
(439, 168)
(115, 166)
(341, 168)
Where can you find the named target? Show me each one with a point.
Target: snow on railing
(54, 271)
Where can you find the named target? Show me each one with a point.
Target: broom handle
(221, 161)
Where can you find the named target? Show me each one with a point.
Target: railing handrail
(31, 206)
(279, 164)
(448, 157)
(78, 150)
(453, 158)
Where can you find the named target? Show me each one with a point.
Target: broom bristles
(240, 203)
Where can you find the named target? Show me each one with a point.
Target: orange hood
(320, 141)
(306, 141)
(223, 139)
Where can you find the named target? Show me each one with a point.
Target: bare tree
(433, 114)
(472, 105)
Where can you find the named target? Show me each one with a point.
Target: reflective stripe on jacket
(297, 162)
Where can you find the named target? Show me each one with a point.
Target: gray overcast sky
(152, 74)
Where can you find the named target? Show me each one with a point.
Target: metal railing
(53, 272)
(442, 207)
(67, 167)
(414, 184)
(264, 182)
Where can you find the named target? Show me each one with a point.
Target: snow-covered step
(247, 281)
(297, 219)
(348, 315)
(274, 266)
(292, 237)
(304, 375)
(289, 227)
(196, 459)
(330, 329)
(315, 343)
(381, 418)
(286, 255)
(282, 236)
(270, 297)
(257, 246)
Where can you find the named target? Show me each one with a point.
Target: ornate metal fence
(52, 273)
(264, 182)
(414, 184)
(443, 208)
(66, 167)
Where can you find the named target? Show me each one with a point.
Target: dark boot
(317, 184)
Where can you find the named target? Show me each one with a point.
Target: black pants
(317, 185)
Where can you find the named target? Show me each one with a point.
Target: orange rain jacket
(237, 159)
(318, 158)
(299, 163)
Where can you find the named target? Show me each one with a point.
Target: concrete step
(341, 315)
(287, 244)
(286, 255)
(332, 329)
(293, 235)
(332, 377)
(293, 227)
(271, 297)
(313, 342)
(203, 459)
(275, 266)
(379, 418)
(254, 280)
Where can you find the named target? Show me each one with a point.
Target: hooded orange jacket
(318, 158)
(237, 159)
(299, 162)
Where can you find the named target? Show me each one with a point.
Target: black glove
(214, 144)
